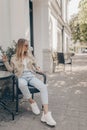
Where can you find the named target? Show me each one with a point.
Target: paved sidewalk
(67, 101)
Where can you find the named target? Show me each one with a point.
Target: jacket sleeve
(32, 57)
(9, 66)
(33, 61)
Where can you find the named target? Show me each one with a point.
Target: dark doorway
(31, 24)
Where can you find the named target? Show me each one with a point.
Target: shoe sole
(51, 125)
(48, 124)
(35, 113)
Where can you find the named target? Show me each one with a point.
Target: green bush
(11, 50)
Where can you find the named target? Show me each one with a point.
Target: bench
(61, 58)
(16, 91)
(55, 60)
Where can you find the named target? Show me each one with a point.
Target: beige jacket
(17, 67)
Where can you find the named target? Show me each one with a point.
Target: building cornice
(56, 12)
(56, 6)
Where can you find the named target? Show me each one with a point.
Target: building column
(47, 61)
(41, 31)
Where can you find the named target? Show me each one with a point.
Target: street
(67, 101)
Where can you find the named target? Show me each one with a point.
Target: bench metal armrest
(71, 59)
(44, 76)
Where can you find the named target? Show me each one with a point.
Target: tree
(83, 30)
(82, 14)
(78, 23)
(75, 28)
(82, 18)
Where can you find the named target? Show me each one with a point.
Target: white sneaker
(35, 108)
(48, 119)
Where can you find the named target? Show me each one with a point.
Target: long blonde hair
(20, 48)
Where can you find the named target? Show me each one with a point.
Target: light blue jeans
(29, 77)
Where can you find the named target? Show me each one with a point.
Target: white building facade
(43, 22)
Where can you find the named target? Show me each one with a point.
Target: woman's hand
(38, 69)
(4, 58)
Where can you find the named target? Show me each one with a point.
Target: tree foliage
(78, 23)
(75, 28)
(82, 14)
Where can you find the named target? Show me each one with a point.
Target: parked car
(84, 50)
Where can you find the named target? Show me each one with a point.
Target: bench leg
(32, 95)
(6, 107)
(17, 100)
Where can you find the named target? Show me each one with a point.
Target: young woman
(23, 65)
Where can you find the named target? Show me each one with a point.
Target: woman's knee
(43, 88)
(22, 82)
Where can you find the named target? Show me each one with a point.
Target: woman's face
(26, 46)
